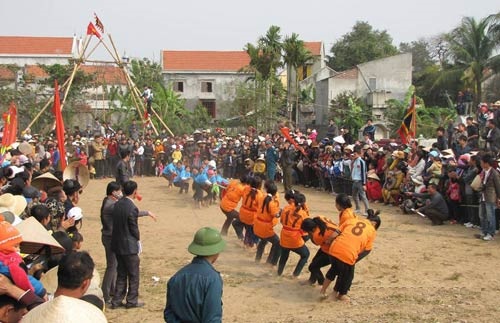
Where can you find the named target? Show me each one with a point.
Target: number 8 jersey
(357, 235)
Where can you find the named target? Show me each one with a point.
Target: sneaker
(468, 225)
(488, 237)
(479, 235)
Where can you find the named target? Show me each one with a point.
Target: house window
(210, 106)
(206, 87)
(304, 72)
(179, 86)
(372, 82)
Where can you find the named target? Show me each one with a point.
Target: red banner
(286, 132)
(59, 126)
(10, 127)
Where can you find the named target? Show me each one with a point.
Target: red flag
(408, 127)
(98, 23)
(10, 127)
(286, 132)
(59, 126)
(91, 30)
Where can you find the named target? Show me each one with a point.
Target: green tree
(421, 55)
(349, 111)
(295, 55)
(473, 45)
(144, 73)
(361, 45)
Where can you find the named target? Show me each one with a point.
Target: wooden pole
(51, 100)
(135, 87)
(162, 122)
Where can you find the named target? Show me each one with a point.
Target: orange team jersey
(319, 239)
(291, 234)
(266, 220)
(232, 197)
(345, 215)
(249, 207)
(357, 236)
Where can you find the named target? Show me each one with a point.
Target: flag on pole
(408, 127)
(98, 23)
(59, 126)
(9, 128)
(286, 133)
(91, 30)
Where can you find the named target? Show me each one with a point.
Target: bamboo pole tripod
(134, 91)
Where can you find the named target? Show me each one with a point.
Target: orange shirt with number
(233, 195)
(357, 236)
(266, 219)
(346, 214)
(249, 207)
(318, 239)
(291, 234)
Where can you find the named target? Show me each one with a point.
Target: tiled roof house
(205, 77)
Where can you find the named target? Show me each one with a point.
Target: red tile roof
(217, 61)
(314, 47)
(14, 45)
(110, 75)
(35, 71)
(6, 74)
(349, 74)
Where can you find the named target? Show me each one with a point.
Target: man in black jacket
(125, 242)
(122, 168)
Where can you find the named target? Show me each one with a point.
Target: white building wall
(392, 74)
(223, 87)
(30, 60)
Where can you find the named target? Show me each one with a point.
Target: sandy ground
(416, 272)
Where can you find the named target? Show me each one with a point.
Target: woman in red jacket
(251, 197)
(263, 227)
(229, 202)
(320, 229)
(291, 234)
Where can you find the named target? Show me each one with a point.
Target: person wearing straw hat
(11, 261)
(64, 309)
(194, 294)
(374, 188)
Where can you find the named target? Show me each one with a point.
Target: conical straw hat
(36, 237)
(63, 309)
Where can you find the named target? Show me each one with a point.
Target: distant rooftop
(16, 45)
(216, 61)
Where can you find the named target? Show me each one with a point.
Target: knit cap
(9, 237)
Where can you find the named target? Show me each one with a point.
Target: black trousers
(100, 168)
(344, 274)
(320, 260)
(183, 186)
(109, 279)
(127, 278)
(303, 252)
(275, 252)
(230, 216)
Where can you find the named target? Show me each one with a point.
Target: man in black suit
(122, 168)
(125, 242)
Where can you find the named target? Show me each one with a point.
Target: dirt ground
(416, 272)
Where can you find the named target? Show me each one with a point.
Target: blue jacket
(169, 169)
(39, 289)
(194, 294)
(182, 174)
(201, 178)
